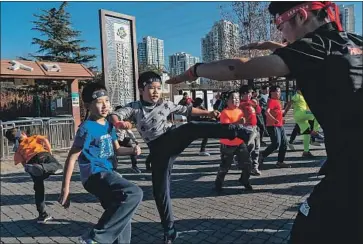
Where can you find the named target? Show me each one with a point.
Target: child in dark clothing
(198, 103)
(125, 139)
(167, 142)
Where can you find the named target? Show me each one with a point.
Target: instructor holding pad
(322, 58)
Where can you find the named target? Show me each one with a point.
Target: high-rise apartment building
(180, 62)
(221, 42)
(151, 52)
(347, 17)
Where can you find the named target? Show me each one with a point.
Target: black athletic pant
(203, 144)
(168, 146)
(244, 162)
(261, 125)
(296, 131)
(50, 165)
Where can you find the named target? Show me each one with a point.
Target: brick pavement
(202, 216)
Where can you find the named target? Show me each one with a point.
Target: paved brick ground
(202, 216)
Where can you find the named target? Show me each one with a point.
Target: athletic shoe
(315, 143)
(255, 172)
(307, 155)
(34, 169)
(282, 165)
(292, 148)
(204, 154)
(170, 236)
(43, 218)
(58, 172)
(83, 240)
(136, 169)
(318, 136)
(247, 185)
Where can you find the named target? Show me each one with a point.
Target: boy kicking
(35, 153)
(94, 146)
(167, 142)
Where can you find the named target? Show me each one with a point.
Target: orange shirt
(230, 116)
(28, 148)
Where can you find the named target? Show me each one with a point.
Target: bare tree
(255, 25)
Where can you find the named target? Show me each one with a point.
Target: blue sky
(180, 24)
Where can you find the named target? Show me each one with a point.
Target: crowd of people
(106, 133)
(319, 55)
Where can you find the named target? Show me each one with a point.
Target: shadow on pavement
(190, 230)
(181, 187)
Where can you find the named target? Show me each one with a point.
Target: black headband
(99, 93)
(149, 81)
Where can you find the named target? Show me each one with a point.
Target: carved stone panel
(119, 57)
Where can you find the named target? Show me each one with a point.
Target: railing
(60, 132)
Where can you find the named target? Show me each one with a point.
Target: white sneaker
(204, 154)
(292, 148)
(315, 143)
(83, 240)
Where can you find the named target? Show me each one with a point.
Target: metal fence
(60, 132)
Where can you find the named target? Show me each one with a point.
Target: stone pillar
(76, 112)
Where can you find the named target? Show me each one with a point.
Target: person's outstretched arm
(235, 69)
(118, 117)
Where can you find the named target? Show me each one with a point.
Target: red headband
(334, 17)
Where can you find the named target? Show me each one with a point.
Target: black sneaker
(170, 236)
(307, 155)
(247, 185)
(136, 169)
(282, 165)
(218, 185)
(34, 169)
(43, 218)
